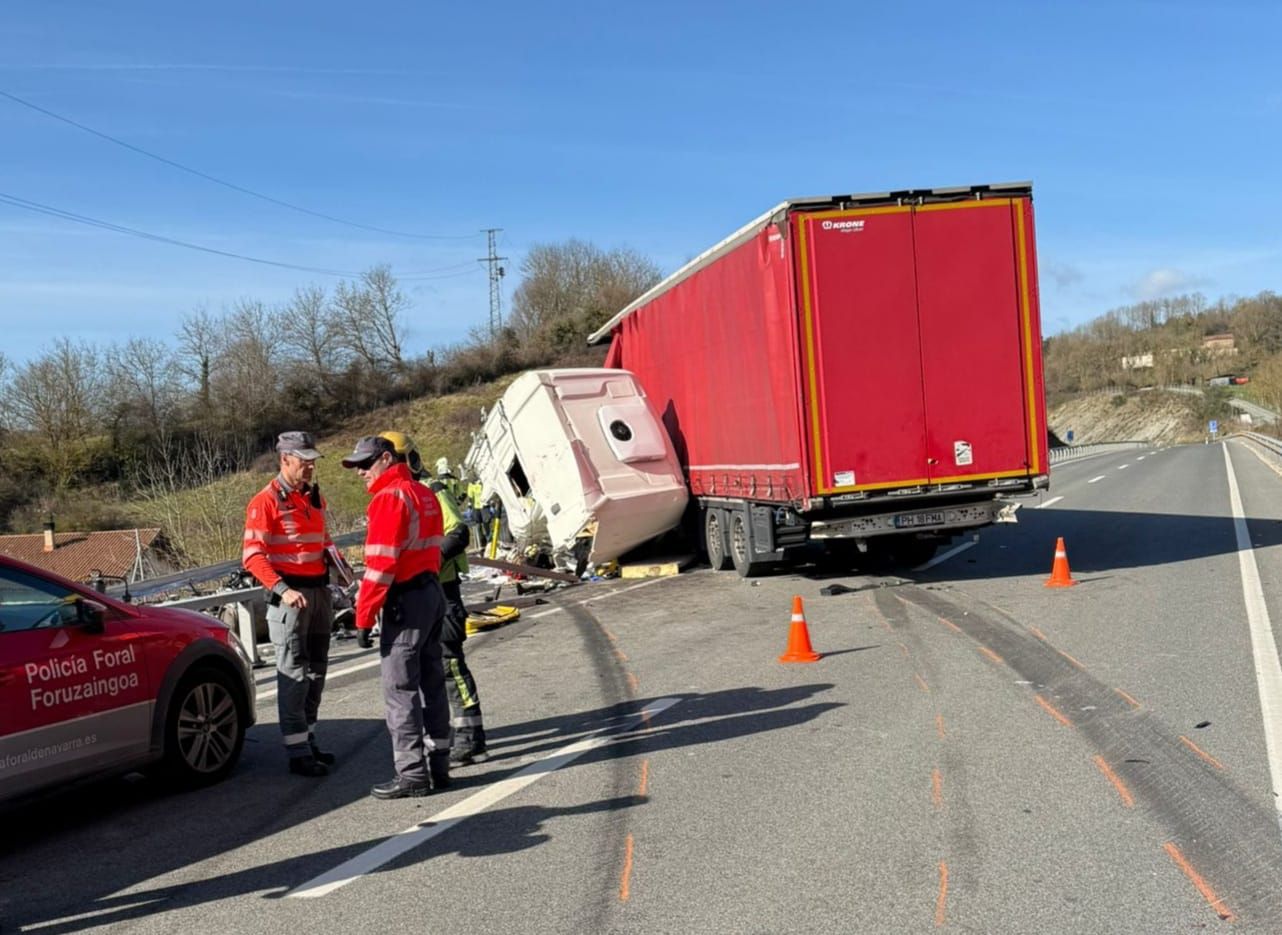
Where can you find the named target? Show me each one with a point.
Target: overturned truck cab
(859, 371)
(582, 465)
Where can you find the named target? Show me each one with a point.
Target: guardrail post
(245, 627)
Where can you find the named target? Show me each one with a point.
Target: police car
(90, 686)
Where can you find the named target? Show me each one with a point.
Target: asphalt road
(975, 752)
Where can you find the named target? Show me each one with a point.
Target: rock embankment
(1153, 416)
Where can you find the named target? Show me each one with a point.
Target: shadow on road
(94, 849)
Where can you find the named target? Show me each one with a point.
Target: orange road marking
(1039, 634)
(992, 655)
(625, 884)
(645, 777)
(1202, 753)
(1053, 711)
(937, 788)
(884, 622)
(1127, 799)
(921, 683)
(1203, 887)
(950, 625)
(941, 901)
(618, 654)
(1071, 659)
(610, 636)
(939, 726)
(633, 682)
(1133, 703)
(904, 650)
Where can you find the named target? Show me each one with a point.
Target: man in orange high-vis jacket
(402, 558)
(285, 547)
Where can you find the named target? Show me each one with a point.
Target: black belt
(297, 583)
(421, 580)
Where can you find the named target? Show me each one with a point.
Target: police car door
(74, 693)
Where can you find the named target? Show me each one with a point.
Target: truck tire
(204, 728)
(741, 547)
(714, 540)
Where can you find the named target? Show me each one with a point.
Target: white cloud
(1163, 282)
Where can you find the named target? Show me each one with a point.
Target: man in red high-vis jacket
(285, 547)
(402, 558)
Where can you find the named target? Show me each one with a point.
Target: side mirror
(90, 615)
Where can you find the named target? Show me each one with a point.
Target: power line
(39, 208)
(217, 181)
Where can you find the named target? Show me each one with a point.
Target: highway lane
(961, 758)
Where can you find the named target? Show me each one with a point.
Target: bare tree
(200, 343)
(307, 331)
(143, 387)
(57, 396)
(367, 318)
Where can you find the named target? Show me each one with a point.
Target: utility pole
(496, 274)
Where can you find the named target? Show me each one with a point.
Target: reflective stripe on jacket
(451, 519)
(403, 539)
(284, 534)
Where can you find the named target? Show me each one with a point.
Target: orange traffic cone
(1060, 577)
(799, 648)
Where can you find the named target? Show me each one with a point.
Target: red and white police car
(90, 685)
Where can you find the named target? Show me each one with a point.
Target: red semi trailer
(864, 370)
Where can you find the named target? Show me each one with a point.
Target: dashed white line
(473, 805)
(1094, 479)
(1268, 671)
(1052, 500)
(1122, 467)
(1141, 457)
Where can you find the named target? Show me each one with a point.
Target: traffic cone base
(799, 648)
(1060, 577)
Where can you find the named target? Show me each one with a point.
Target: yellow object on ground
(479, 621)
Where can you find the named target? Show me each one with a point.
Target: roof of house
(76, 555)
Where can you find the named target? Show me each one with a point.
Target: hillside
(1154, 416)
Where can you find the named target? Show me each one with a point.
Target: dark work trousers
(469, 729)
(301, 638)
(418, 714)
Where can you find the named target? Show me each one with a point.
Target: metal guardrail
(1267, 441)
(249, 602)
(1065, 453)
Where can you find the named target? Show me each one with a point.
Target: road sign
(1214, 426)
(1070, 436)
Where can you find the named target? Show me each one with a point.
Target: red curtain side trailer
(864, 370)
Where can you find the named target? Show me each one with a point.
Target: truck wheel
(205, 728)
(741, 547)
(714, 539)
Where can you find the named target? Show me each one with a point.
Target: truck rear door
(918, 344)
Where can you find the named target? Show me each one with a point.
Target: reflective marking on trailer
(1052, 500)
(473, 805)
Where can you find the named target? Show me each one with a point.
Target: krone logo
(843, 225)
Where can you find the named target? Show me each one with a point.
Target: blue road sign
(1215, 426)
(1070, 435)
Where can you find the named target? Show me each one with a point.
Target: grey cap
(367, 449)
(301, 444)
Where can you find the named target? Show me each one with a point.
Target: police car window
(29, 603)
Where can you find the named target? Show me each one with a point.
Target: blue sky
(1151, 132)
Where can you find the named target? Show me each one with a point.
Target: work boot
(400, 788)
(467, 756)
(320, 756)
(441, 779)
(307, 766)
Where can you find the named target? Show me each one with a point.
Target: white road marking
(121, 908)
(1141, 457)
(1122, 467)
(473, 805)
(1268, 671)
(1042, 506)
(1094, 479)
(944, 556)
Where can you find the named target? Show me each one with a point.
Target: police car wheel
(204, 729)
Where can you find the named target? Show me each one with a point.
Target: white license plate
(918, 519)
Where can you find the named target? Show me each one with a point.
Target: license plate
(918, 519)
